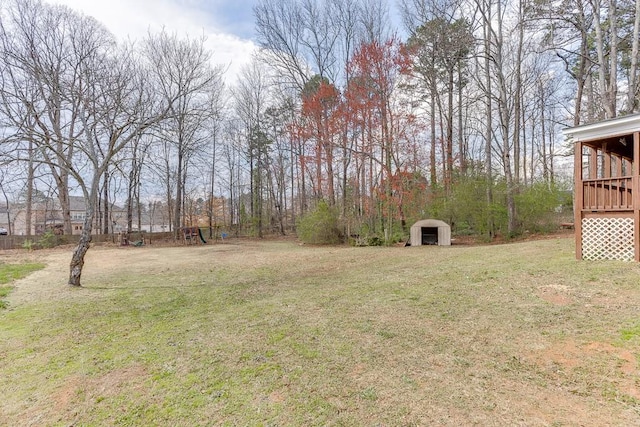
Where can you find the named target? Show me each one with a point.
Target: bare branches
(181, 71)
(81, 100)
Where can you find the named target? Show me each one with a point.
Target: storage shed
(607, 189)
(430, 232)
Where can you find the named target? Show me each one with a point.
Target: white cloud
(135, 18)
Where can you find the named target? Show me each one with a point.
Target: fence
(18, 242)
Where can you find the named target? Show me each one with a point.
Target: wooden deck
(607, 188)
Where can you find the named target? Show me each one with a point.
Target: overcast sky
(228, 24)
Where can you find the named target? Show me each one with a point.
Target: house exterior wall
(47, 215)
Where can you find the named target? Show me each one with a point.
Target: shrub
(369, 240)
(49, 240)
(466, 208)
(366, 237)
(28, 245)
(320, 227)
(539, 207)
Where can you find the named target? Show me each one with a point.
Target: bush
(28, 245)
(320, 227)
(371, 240)
(46, 241)
(466, 208)
(539, 207)
(366, 237)
(49, 240)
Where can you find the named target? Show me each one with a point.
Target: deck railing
(609, 194)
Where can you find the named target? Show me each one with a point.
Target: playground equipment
(125, 240)
(193, 235)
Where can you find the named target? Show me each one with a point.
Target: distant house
(47, 215)
(5, 218)
(153, 218)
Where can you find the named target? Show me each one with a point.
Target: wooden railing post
(578, 194)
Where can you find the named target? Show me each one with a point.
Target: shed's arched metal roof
(430, 223)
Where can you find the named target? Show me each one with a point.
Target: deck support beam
(636, 193)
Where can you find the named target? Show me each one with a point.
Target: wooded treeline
(455, 115)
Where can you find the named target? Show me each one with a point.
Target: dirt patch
(568, 354)
(627, 360)
(555, 294)
(620, 364)
(81, 391)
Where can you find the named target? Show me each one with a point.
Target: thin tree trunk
(105, 201)
(130, 193)
(632, 102)
(613, 57)
(77, 259)
(432, 153)
(543, 139)
(177, 213)
(29, 198)
(489, 116)
(462, 144)
(62, 183)
(582, 64)
(607, 70)
(449, 146)
(518, 95)
(523, 118)
(212, 188)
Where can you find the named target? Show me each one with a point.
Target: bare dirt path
(50, 283)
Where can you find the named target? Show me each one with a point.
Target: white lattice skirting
(607, 238)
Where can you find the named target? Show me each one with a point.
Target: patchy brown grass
(275, 333)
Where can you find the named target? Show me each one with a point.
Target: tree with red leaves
(320, 102)
(376, 74)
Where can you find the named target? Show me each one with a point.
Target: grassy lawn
(273, 333)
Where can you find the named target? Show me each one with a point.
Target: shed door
(429, 235)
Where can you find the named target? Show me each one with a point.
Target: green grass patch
(631, 333)
(4, 291)
(11, 272)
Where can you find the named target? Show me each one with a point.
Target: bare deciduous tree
(76, 96)
(182, 72)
